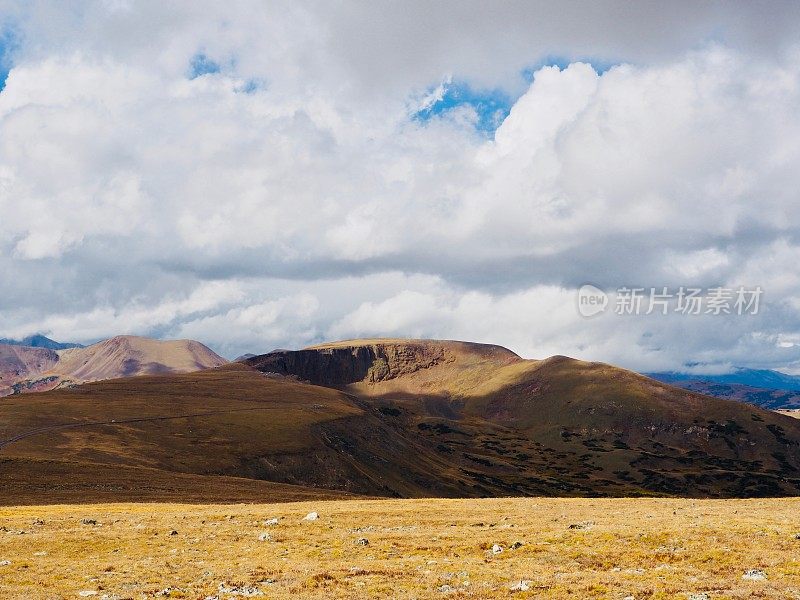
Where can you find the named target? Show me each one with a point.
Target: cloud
(260, 176)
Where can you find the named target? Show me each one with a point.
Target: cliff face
(343, 365)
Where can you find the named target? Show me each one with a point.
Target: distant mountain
(757, 378)
(18, 363)
(28, 369)
(40, 341)
(762, 387)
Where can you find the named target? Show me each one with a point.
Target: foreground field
(640, 548)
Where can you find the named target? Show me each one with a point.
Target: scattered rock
(497, 549)
(243, 591)
(582, 525)
(173, 532)
(797, 536)
(269, 522)
(37, 522)
(265, 537)
(87, 593)
(4, 563)
(89, 521)
(447, 589)
(754, 575)
(629, 598)
(699, 596)
(312, 516)
(517, 545)
(521, 586)
(362, 542)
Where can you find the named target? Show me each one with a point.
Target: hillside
(411, 419)
(30, 369)
(552, 426)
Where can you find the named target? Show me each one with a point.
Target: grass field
(577, 548)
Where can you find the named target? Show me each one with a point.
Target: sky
(271, 175)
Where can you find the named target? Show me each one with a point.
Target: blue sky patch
(9, 42)
(202, 65)
(251, 86)
(491, 106)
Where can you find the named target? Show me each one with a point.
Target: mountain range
(392, 418)
(770, 389)
(39, 341)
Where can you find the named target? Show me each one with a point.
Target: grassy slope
(238, 415)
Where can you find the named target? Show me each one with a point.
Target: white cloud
(134, 199)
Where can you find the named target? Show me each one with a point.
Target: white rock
(521, 586)
(700, 596)
(754, 575)
(265, 537)
(4, 563)
(269, 522)
(87, 593)
(312, 516)
(447, 589)
(497, 549)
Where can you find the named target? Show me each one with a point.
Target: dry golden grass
(640, 548)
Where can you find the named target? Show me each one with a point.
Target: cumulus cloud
(293, 192)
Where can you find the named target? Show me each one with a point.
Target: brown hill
(127, 356)
(121, 356)
(557, 425)
(413, 419)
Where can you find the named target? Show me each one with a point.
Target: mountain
(17, 363)
(757, 378)
(769, 389)
(403, 418)
(127, 356)
(39, 341)
(33, 369)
